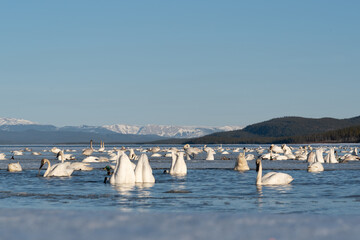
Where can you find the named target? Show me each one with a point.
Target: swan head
(43, 161)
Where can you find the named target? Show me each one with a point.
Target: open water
(209, 186)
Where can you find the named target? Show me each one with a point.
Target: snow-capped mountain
(14, 121)
(23, 131)
(168, 130)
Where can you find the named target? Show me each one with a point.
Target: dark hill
(276, 130)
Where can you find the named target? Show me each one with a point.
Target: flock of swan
(127, 172)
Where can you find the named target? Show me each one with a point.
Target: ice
(65, 224)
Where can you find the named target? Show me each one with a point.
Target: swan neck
(259, 174)
(48, 168)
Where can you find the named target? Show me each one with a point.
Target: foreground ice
(35, 224)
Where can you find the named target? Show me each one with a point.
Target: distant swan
(88, 151)
(271, 178)
(14, 167)
(241, 163)
(56, 170)
(210, 153)
(315, 167)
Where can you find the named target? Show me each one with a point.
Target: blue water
(209, 186)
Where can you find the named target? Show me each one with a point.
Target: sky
(188, 63)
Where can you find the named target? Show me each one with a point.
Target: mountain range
(17, 131)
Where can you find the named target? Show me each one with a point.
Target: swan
(56, 170)
(191, 151)
(143, 171)
(90, 159)
(271, 178)
(311, 157)
(2, 156)
(55, 150)
(178, 165)
(241, 163)
(276, 149)
(14, 167)
(80, 166)
(319, 155)
(61, 156)
(17, 153)
(102, 147)
(124, 171)
(210, 153)
(132, 155)
(88, 151)
(315, 167)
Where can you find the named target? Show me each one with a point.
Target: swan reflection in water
(263, 190)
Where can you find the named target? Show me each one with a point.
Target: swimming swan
(143, 171)
(14, 167)
(124, 171)
(241, 163)
(315, 167)
(56, 170)
(271, 178)
(178, 165)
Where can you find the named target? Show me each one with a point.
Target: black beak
(257, 166)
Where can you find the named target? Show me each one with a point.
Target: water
(209, 186)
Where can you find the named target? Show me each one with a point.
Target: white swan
(178, 165)
(90, 159)
(14, 167)
(311, 157)
(88, 151)
(271, 178)
(315, 167)
(2, 156)
(56, 170)
(62, 157)
(102, 147)
(124, 171)
(143, 171)
(241, 163)
(319, 155)
(191, 151)
(210, 153)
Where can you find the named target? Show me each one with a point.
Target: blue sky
(207, 63)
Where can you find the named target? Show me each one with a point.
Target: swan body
(276, 149)
(319, 155)
(210, 153)
(315, 167)
(191, 151)
(88, 151)
(2, 156)
(241, 163)
(124, 171)
(17, 153)
(178, 165)
(143, 171)
(80, 166)
(102, 147)
(90, 159)
(271, 178)
(14, 167)
(311, 157)
(56, 170)
(62, 157)
(55, 150)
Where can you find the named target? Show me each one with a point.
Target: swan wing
(276, 178)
